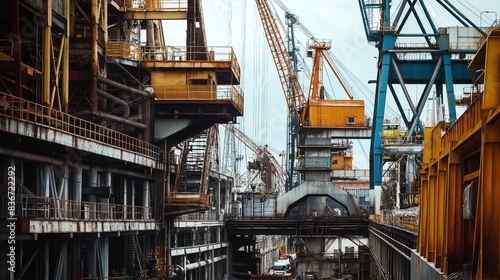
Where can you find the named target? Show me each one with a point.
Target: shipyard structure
(109, 151)
(95, 109)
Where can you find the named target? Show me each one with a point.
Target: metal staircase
(191, 184)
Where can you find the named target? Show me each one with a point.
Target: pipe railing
(155, 5)
(200, 93)
(31, 112)
(48, 208)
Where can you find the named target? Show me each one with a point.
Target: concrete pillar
(77, 192)
(145, 199)
(125, 192)
(93, 183)
(65, 183)
(46, 170)
(77, 182)
(375, 199)
(91, 258)
(104, 208)
(105, 256)
(132, 201)
(65, 209)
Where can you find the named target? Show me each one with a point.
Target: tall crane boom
(294, 95)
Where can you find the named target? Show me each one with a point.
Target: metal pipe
(205, 262)
(143, 93)
(113, 118)
(122, 103)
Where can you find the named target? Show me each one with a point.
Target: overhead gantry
(434, 57)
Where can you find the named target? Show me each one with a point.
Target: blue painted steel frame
(440, 70)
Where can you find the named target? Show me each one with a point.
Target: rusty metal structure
(458, 219)
(108, 140)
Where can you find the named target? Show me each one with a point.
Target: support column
(91, 270)
(104, 208)
(65, 58)
(125, 192)
(46, 170)
(105, 256)
(145, 199)
(93, 182)
(47, 37)
(132, 202)
(95, 54)
(77, 182)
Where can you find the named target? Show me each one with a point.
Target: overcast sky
(238, 24)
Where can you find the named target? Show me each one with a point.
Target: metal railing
(404, 221)
(200, 93)
(495, 25)
(31, 112)
(187, 199)
(171, 53)
(155, 5)
(48, 208)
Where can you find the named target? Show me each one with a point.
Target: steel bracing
(413, 51)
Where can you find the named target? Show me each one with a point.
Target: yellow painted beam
(491, 96)
(47, 36)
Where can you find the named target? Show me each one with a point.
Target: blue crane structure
(414, 51)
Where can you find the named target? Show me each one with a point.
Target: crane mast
(294, 95)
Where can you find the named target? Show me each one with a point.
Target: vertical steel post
(65, 58)
(47, 37)
(95, 55)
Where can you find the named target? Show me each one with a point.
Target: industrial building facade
(107, 138)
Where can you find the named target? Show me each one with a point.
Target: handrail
(156, 5)
(48, 208)
(31, 112)
(200, 92)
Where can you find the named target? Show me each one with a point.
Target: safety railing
(495, 25)
(155, 5)
(200, 93)
(48, 208)
(172, 53)
(199, 216)
(405, 219)
(401, 140)
(187, 199)
(31, 112)
(119, 49)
